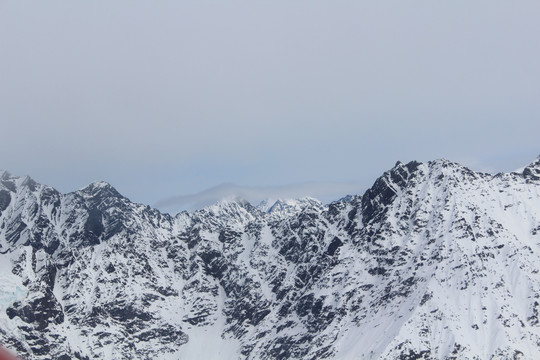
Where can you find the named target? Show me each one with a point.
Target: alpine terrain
(434, 261)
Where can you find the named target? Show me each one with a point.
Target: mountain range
(434, 261)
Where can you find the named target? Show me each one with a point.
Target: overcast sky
(169, 98)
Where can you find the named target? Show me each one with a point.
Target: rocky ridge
(434, 261)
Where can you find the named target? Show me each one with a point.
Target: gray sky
(169, 98)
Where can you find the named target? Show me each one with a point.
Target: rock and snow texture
(434, 261)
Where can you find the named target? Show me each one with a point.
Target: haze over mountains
(434, 261)
(325, 192)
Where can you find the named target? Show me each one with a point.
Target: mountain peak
(4, 174)
(287, 207)
(535, 163)
(99, 188)
(444, 163)
(532, 171)
(231, 201)
(13, 182)
(227, 205)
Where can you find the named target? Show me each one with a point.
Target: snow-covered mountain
(434, 261)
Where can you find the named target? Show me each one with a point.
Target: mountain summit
(434, 261)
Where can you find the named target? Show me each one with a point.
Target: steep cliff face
(433, 261)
